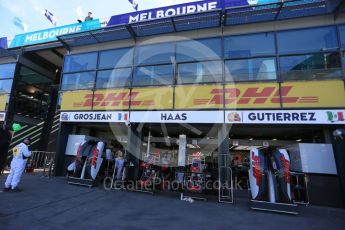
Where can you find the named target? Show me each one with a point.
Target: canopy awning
(279, 10)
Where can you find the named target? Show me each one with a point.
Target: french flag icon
(123, 116)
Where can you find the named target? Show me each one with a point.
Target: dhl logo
(255, 95)
(112, 99)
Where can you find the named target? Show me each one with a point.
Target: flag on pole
(134, 4)
(20, 24)
(50, 17)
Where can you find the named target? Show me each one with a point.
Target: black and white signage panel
(94, 116)
(2, 116)
(286, 117)
(177, 117)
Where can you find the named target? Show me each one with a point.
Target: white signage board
(94, 116)
(210, 117)
(182, 150)
(177, 117)
(312, 158)
(2, 116)
(286, 117)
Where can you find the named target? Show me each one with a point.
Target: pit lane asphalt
(50, 203)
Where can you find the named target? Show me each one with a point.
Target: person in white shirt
(20, 154)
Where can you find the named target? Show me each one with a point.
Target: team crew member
(20, 154)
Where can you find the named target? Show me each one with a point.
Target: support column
(225, 180)
(65, 130)
(48, 124)
(46, 135)
(223, 145)
(327, 135)
(133, 152)
(339, 156)
(10, 111)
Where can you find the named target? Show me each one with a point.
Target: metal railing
(41, 161)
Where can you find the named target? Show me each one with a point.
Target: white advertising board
(312, 158)
(286, 117)
(177, 117)
(92, 116)
(2, 116)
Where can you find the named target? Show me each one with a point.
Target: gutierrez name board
(286, 117)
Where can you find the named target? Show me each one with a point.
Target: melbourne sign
(180, 9)
(50, 35)
(94, 116)
(286, 117)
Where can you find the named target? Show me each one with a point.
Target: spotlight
(339, 134)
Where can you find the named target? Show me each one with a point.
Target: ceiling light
(274, 139)
(298, 140)
(190, 146)
(251, 139)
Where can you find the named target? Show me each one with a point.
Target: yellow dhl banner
(76, 100)
(3, 102)
(152, 98)
(252, 95)
(232, 96)
(316, 94)
(199, 97)
(111, 99)
(313, 94)
(118, 99)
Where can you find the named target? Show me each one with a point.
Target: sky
(31, 12)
